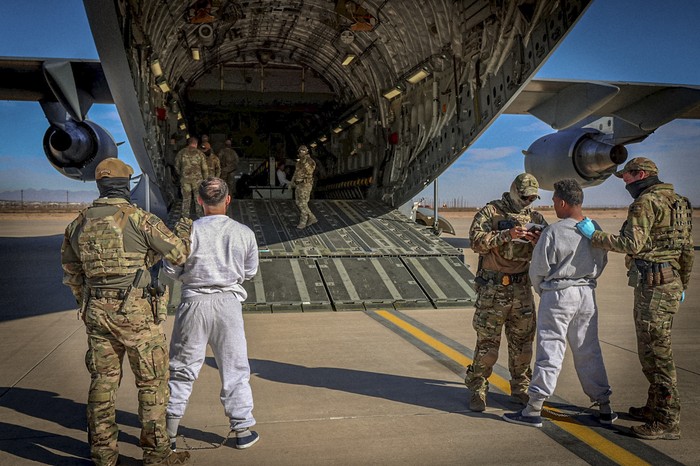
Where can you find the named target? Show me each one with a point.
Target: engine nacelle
(76, 150)
(573, 153)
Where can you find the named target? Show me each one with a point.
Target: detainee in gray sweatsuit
(564, 272)
(223, 254)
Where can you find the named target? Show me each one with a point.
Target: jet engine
(77, 148)
(573, 153)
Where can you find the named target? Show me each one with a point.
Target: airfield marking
(596, 441)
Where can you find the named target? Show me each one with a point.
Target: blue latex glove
(683, 296)
(586, 227)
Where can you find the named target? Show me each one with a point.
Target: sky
(615, 40)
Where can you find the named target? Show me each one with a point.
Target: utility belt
(654, 273)
(158, 297)
(485, 277)
(115, 293)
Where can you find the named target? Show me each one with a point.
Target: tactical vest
(512, 250)
(101, 245)
(673, 232)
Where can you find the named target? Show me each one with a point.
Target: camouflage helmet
(303, 149)
(112, 167)
(638, 164)
(526, 185)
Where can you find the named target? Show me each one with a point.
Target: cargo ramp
(360, 255)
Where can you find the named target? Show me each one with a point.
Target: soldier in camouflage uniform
(229, 165)
(213, 162)
(191, 166)
(105, 255)
(303, 180)
(505, 246)
(657, 240)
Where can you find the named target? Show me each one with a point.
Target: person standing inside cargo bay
(303, 180)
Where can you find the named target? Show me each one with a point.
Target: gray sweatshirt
(563, 257)
(223, 254)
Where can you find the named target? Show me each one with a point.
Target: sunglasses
(529, 198)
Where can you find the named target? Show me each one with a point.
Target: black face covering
(638, 187)
(114, 188)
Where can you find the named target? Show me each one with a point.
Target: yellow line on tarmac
(583, 433)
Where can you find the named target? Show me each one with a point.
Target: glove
(683, 296)
(586, 227)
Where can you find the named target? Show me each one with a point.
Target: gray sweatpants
(569, 314)
(217, 320)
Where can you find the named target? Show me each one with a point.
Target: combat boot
(173, 458)
(642, 414)
(477, 403)
(301, 225)
(312, 220)
(657, 430)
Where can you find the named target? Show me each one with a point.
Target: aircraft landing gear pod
(77, 148)
(573, 153)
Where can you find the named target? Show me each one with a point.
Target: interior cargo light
(183, 126)
(163, 84)
(195, 53)
(348, 59)
(156, 68)
(313, 145)
(323, 138)
(393, 92)
(352, 120)
(179, 116)
(337, 129)
(418, 76)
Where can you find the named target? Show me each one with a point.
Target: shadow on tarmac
(32, 283)
(46, 447)
(443, 395)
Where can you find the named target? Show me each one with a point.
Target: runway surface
(337, 388)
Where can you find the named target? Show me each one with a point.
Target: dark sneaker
(607, 418)
(520, 418)
(642, 414)
(656, 430)
(477, 402)
(246, 439)
(174, 458)
(519, 398)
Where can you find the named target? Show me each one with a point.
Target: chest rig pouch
(503, 220)
(101, 244)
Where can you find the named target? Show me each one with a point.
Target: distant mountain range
(49, 195)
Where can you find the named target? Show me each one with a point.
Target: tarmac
(379, 387)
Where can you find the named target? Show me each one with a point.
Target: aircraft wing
(28, 79)
(564, 103)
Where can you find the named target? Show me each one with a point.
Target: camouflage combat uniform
(229, 165)
(504, 295)
(657, 231)
(191, 166)
(303, 179)
(214, 165)
(101, 253)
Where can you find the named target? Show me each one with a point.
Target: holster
(159, 296)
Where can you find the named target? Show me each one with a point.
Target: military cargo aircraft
(387, 94)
